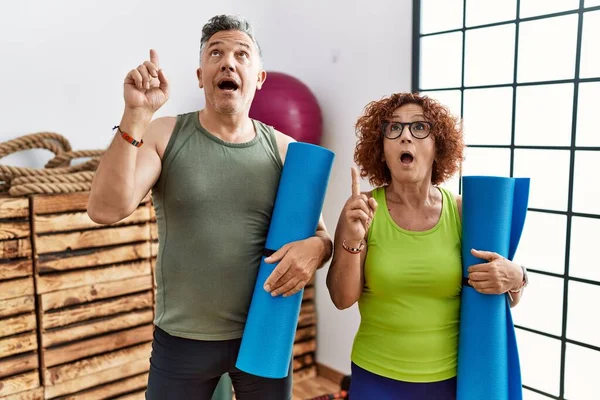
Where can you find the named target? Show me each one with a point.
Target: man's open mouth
(228, 84)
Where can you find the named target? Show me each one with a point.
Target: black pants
(186, 369)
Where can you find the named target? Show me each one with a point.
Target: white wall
(349, 53)
(63, 63)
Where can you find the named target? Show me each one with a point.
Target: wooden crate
(90, 295)
(95, 299)
(305, 343)
(154, 242)
(19, 366)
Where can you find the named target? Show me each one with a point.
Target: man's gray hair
(220, 23)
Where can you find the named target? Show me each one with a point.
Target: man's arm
(127, 170)
(326, 240)
(299, 260)
(321, 234)
(127, 173)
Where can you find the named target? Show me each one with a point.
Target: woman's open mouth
(406, 158)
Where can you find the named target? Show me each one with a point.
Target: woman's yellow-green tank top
(410, 304)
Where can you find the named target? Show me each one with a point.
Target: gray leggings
(190, 369)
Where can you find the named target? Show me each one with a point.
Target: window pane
(547, 49)
(490, 55)
(542, 244)
(487, 116)
(529, 395)
(549, 173)
(590, 59)
(487, 11)
(544, 115)
(586, 191)
(531, 8)
(493, 162)
(583, 325)
(591, 3)
(441, 61)
(540, 361)
(541, 307)
(587, 114)
(584, 236)
(441, 15)
(581, 373)
(448, 98)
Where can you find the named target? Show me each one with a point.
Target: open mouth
(228, 84)
(406, 158)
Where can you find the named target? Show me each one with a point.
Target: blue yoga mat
(494, 210)
(268, 338)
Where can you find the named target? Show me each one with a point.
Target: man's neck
(233, 128)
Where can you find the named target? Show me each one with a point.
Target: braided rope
(46, 188)
(54, 142)
(58, 176)
(63, 159)
(8, 172)
(76, 177)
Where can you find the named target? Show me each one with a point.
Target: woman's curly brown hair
(446, 130)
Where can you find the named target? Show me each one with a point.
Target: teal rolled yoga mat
(268, 338)
(494, 210)
(224, 390)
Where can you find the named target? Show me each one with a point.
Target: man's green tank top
(410, 303)
(213, 203)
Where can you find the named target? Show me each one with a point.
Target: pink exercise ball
(288, 105)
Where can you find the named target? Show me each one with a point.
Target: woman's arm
(345, 278)
(498, 275)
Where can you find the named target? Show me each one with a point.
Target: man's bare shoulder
(159, 133)
(283, 138)
(161, 126)
(283, 141)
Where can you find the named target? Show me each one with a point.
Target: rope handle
(9, 173)
(69, 183)
(63, 159)
(54, 142)
(58, 176)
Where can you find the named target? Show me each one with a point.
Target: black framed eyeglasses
(418, 129)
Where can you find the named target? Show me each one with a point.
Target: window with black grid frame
(524, 75)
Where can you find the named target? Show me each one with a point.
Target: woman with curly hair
(398, 253)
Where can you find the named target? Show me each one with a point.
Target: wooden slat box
(305, 342)
(154, 239)
(95, 298)
(19, 365)
(86, 293)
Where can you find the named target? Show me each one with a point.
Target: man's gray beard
(227, 108)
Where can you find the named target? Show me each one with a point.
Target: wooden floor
(313, 387)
